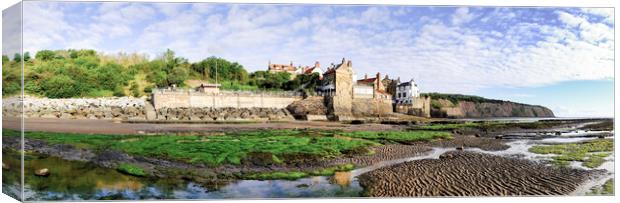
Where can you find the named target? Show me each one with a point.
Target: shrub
(60, 86)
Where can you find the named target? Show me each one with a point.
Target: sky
(561, 58)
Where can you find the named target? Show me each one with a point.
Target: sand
(459, 173)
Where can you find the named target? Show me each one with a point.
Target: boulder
(42, 172)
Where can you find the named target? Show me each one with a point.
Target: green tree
(5, 59)
(45, 55)
(27, 56)
(178, 75)
(17, 57)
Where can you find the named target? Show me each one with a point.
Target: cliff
(465, 106)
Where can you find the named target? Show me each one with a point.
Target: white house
(406, 92)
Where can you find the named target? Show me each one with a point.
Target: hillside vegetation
(87, 73)
(468, 106)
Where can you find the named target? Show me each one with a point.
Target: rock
(477, 135)
(302, 185)
(5, 166)
(499, 136)
(42, 172)
(558, 133)
(460, 148)
(601, 136)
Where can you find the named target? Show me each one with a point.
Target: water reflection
(72, 180)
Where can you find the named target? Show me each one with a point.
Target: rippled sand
(460, 173)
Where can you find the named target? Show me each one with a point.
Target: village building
(377, 90)
(277, 68)
(209, 88)
(307, 70)
(407, 92)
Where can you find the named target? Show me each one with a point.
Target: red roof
(309, 70)
(367, 80)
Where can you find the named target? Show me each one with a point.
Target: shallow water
(72, 180)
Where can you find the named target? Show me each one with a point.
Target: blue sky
(522, 54)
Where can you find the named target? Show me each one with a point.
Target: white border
(544, 3)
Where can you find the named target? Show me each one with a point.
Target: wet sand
(114, 127)
(470, 141)
(382, 153)
(459, 173)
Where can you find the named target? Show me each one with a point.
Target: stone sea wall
(184, 98)
(78, 108)
(129, 108)
(223, 114)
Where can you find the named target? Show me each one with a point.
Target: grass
(606, 189)
(331, 170)
(591, 153)
(263, 147)
(131, 169)
(399, 136)
(490, 125)
(232, 85)
(99, 93)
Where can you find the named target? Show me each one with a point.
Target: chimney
(317, 64)
(291, 63)
(365, 76)
(378, 76)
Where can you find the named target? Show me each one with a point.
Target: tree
(5, 59)
(45, 55)
(27, 56)
(17, 57)
(178, 75)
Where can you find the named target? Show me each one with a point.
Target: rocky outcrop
(470, 109)
(220, 114)
(308, 106)
(75, 108)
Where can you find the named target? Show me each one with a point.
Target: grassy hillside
(88, 73)
(455, 98)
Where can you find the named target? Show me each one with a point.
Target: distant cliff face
(476, 109)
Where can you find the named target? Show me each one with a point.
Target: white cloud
(607, 13)
(570, 19)
(446, 52)
(462, 15)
